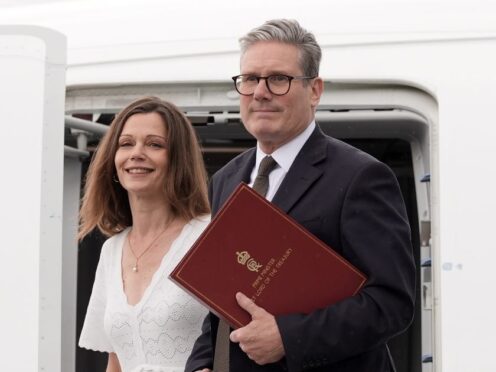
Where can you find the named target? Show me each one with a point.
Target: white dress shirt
(284, 156)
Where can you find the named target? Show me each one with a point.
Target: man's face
(275, 120)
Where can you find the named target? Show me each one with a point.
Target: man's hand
(260, 339)
(204, 370)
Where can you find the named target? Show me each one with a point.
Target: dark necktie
(261, 185)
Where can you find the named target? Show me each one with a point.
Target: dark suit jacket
(352, 202)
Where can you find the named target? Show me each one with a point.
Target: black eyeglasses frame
(266, 78)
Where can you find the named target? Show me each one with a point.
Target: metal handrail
(86, 125)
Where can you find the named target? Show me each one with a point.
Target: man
(343, 196)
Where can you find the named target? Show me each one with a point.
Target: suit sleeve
(202, 353)
(375, 237)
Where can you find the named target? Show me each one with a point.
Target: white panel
(31, 103)
(467, 200)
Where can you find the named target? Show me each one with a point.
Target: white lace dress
(156, 334)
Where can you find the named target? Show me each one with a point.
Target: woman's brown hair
(105, 202)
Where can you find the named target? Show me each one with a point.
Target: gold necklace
(135, 267)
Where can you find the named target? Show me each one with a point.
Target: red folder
(253, 247)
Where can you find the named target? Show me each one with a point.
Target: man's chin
(262, 127)
(260, 115)
(265, 135)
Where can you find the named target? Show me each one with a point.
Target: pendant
(135, 268)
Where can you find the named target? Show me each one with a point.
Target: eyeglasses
(277, 84)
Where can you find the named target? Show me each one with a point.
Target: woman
(146, 189)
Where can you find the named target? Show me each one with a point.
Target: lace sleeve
(93, 335)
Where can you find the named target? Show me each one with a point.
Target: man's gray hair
(290, 32)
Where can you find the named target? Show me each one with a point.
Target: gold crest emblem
(244, 258)
(253, 265)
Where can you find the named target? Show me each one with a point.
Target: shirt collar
(286, 154)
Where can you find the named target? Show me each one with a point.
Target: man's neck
(268, 147)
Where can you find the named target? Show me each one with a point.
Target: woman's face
(141, 157)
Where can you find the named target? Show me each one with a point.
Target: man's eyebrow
(272, 72)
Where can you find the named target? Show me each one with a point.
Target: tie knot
(266, 166)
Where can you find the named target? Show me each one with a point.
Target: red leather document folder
(253, 247)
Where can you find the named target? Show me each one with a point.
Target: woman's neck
(150, 215)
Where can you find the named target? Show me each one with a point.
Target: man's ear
(317, 88)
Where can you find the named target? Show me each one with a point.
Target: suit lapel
(241, 173)
(303, 173)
